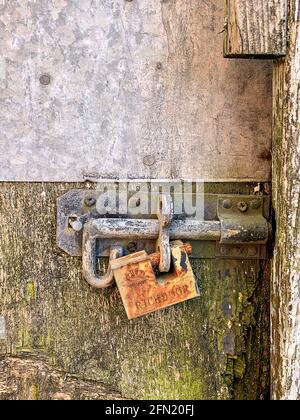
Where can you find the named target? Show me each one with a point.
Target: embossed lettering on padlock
(142, 292)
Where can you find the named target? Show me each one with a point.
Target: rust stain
(266, 155)
(231, 233)
(143, 293)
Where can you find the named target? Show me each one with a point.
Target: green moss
(239, 367)
(34, 392)
(24, 342)
(186, 385)
(30, 291)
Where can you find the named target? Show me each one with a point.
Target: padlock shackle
(165, 213)
(89, 262)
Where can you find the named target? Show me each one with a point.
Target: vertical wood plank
(255, 28)
(285, 363)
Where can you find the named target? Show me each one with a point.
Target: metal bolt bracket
(243, 222)
(223, 225)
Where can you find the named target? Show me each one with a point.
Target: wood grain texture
(214, 347)
(286, 263)
(32, 379)
(255, 28)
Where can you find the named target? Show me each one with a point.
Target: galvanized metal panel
(117, 89)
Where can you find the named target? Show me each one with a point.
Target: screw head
(227, 204)
(90, 201)
(45, 79)
(149, 160)
(242, 206)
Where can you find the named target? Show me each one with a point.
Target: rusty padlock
(142, 292)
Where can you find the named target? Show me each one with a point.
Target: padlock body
(142, 292)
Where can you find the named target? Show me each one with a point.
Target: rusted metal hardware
(89, 262)
(197, 230)
(142, 292)
(100, 229)
(234, 227)
(155, 258)
(165, 217)
(242, 220)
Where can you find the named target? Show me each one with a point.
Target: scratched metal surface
(96, 89)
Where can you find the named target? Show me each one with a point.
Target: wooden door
(99, 89)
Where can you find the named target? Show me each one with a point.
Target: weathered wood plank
(255, 28)
(33, 379)
(210, 348)
(286, 264)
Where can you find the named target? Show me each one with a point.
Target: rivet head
(90, 201)
(149, 160)
(255, 204)
(242, 206)
(227, 204)
(45, 79)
